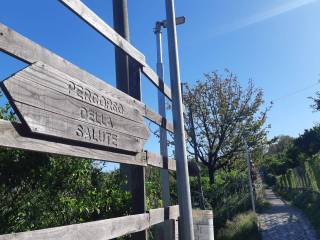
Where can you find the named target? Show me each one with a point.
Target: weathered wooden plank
(28, 87)
(159, 120)
(158, 82)
(103, 28)
(26, 50)
(47, 76)
(52, 124)
(100, 230)
(159, 161)
(14, 135)
(163, 214)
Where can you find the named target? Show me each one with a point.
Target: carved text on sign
(96, 135)
(52, 103)
(92, 97)
(90, 115)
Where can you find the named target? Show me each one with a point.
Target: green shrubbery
(242, 227)
(305, 176)
(40, 191)
(227, 197)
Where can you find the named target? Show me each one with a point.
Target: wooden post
(128, 80)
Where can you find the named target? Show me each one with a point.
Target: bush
(243, 226)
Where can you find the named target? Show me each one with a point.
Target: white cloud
(260, 17)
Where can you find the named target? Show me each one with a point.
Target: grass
(242, 227)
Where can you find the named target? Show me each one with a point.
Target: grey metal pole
(186, 226)
(249, 174)
(162, 110)
(164, 230)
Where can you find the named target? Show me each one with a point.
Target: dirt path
(282, 221)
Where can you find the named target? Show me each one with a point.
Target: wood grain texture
(14, 135)
(157, 81)
(43, 88)
(100, 230)
(159, 120)
(159, 161)
(163, 214)
(30, 52)
(47, 111)
(85, 13)
(52, 124)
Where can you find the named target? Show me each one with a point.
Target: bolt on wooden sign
(52, 103)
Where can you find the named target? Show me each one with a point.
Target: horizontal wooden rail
(158, 119)
(157, 81)
(101, 230)
(159, 161)
(14, 135)
(86, 14)
(26, 50)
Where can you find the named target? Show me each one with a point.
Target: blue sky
(274, 42)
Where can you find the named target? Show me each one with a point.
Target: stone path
(282, 221)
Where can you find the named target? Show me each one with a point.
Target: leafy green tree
(277, 160)
(308, 143)
(223, 113)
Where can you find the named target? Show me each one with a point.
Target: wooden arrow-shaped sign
(51, 102)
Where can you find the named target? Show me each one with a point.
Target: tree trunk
(211, 174)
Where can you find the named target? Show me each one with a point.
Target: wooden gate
(66, 110)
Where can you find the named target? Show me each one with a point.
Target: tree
(276, 161)
(222, 113)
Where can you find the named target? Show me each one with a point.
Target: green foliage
(277, 161)
(242, 227)
(6, 112)
(228, 196)
(40, 191)
(305, 176)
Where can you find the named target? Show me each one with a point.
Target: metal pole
(186, 226)
(164, 230)
(249, 174)
(162, 110)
